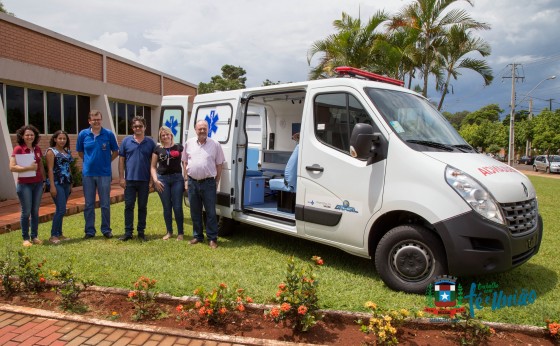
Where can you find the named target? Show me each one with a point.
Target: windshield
(554, 158)
(414, 119)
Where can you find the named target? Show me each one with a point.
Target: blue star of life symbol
(212, 120)
(172, 123)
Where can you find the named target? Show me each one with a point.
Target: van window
(335, 116)
(172, 118)
(218, 118)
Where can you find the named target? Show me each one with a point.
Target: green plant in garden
(215, 306)
(384, 323)
(473, 331)
(31, 276)
(297, 296)
(114, 316)
(143, 297)
(553, 329)
(69, 288)
(8, 270)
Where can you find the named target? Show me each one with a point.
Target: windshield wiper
(432, 144)
(467, 147)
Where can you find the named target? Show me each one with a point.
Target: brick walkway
(29, 326)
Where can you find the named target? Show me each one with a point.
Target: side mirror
(362, 141)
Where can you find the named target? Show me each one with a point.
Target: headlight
(474, 194)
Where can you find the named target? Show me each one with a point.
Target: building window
(148, 117)
(123, 114)
(113, 110)
(84, 106)
(70, 113)
(130, 112)
(15, 108)
(36, 109)
(121, 119)
(54, 112)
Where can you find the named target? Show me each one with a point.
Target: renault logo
(525, 189)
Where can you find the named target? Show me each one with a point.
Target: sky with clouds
(193, 39)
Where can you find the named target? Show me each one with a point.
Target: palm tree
(353, 45)
(429, 21)
(459, 43)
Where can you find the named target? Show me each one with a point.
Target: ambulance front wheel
(408, 258)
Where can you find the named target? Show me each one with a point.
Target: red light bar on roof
(352, 71)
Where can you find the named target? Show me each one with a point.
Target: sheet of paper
(25, 160)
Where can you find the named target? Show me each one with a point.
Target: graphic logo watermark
(445, 298)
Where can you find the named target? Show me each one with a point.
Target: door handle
(315, 168)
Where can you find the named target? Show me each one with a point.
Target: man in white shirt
(203, 158)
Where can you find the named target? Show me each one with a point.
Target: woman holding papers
(26, 161)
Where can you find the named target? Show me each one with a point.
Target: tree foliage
(489, 113)
(232, 78)
(546, 129)
(4, 10)
(426, 36)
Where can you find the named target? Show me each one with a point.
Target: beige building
(52, 81)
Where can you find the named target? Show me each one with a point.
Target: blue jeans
(133, 189)
(203, 194)
(62, 193)
(30, 200)
(172, 199)
(101, 185)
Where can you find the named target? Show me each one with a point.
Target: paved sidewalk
(29, 326)
(10, 209)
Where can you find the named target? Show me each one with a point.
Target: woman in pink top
(30, 181)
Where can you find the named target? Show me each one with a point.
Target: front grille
(521, 217)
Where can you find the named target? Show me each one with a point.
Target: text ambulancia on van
(377, 172)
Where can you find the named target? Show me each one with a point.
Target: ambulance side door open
(341, 192)
(219, 116)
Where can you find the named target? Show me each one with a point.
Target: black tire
(226, 226)
(535, 168)
(410, 257)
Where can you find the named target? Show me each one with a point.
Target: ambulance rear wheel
(410, 257)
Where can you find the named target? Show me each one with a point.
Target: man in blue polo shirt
(97, 147)
(135, 157)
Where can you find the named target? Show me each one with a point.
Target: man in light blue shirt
(97, 147)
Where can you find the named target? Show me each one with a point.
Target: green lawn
(255, 260)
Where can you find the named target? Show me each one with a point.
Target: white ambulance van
(378, 172)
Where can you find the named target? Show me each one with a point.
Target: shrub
(143, 297)
(31, 276)
(553, 328)
(216, 306)
(7, 275)
(297, 297)
(384, 323)
(473, 331)
(69, 288)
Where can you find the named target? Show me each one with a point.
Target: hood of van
(505, 183)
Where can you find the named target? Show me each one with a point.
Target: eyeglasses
(137, 126)
(95, 120)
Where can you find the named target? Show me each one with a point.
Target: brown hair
(21, 131)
